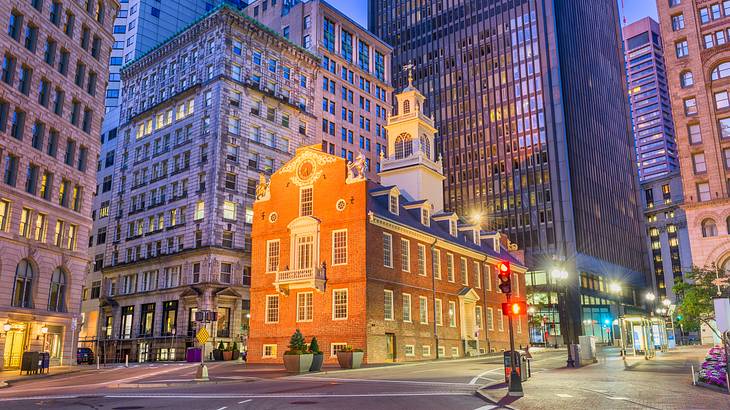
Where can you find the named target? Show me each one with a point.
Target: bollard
(694, 381)
(126, 360)
(97, 362)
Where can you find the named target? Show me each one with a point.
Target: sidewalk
(663, 383)
(10, 376)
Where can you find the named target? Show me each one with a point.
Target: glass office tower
(529, 97)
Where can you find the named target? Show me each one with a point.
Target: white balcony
(308, 278)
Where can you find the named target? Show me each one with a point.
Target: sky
(634, 9)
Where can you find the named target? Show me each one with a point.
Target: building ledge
(309, 278)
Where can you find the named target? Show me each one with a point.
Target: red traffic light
(505, 277)
(514, 308)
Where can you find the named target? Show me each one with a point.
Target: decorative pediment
(306, 166)
(468, 294)
(229, 292)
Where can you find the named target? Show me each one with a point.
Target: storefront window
(224, 322)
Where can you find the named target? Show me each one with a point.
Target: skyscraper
(696, 36)
(656, 150)
(354, 96)
(530, 100)
(54, 62)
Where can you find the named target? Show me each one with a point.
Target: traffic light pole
(515, 380)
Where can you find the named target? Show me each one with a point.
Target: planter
(350, 360)
(227, 355)
(217, 354)
(236, 355)
(297, 363)
(317, 361)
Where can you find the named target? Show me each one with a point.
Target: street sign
(202, 335)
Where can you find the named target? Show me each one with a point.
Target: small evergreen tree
(221, 346)
(296, 342)
(314, 346)
(235, 346)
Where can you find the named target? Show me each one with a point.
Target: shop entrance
(14, 346)
(390, 347)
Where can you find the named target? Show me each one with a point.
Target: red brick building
(374, 266)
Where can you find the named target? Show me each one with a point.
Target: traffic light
(514, 308)
(505, 277)
(679, 318)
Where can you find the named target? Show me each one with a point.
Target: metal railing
(299, 275)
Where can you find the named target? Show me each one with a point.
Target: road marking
(487, 407)
(223, 408)
(563, 395)
(245, 401)
(336, 379)
(480, 375)
(617, 398)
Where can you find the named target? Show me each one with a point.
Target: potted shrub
(350, 358)
(228, 353)
(218, 353)
(236, 352)
(297, 359)
(317, 356)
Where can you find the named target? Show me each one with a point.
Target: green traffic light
(679, 317)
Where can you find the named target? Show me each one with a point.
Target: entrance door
(390, 347)
(14, 343)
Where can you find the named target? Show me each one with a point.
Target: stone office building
(54, 65)
(353, 95)
(378, 267)
(204, 114)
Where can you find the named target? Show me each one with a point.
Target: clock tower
(411, 164)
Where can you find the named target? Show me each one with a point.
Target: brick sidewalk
(664, 382)
(15, 375)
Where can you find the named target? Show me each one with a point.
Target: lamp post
(615, 288)
(561, 275)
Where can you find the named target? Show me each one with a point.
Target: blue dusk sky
(634, 9)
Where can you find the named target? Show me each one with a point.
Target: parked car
(84, 355)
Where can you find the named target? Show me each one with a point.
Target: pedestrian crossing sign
(202, 335)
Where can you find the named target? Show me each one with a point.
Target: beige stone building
(204, 115)
(695, 35)
(353, 93)
(54, 70)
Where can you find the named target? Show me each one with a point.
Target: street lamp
(666, 302)
(560, 275)
(650, 297)
(7, 326)
(615, 288)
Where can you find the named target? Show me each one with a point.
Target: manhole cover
(303, 402)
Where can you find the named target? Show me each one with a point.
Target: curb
(406, 364)
(7, 382)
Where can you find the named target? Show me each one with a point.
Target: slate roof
(411, 219)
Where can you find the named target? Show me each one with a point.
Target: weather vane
(409, 67)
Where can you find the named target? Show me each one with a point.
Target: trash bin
(521, 366)
(192, 354)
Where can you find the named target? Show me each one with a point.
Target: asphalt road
(448, 384)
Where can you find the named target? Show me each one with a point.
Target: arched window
(403, 146)
(709, 228)
(57, 293)
(23, 284)
(721, 71)
(425, 146)
(406, 107)
(686, 79)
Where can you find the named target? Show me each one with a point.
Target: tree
(695, 296)
(314, 346)
(296, 342)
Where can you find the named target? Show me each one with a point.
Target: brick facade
(347, 202)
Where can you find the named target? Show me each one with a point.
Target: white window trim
(332, 347)
(488, 277)
(437, 270)
(305, 320)
(439, 307)
(500, 313)
(347, 249)
(426, 350)
(263, 351)
(266, 309)
(347, 305)
(422, 248)
(464, 263)
(478, 275)
(300, 198)
(442, 351)
(420, 300)
(405, 257)
(454, 351)
(267, 254)
(410, 307)
(413, 351)
(450, 272)
(392, 305)
(390, 248)
(490, 323)
(452, 303)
